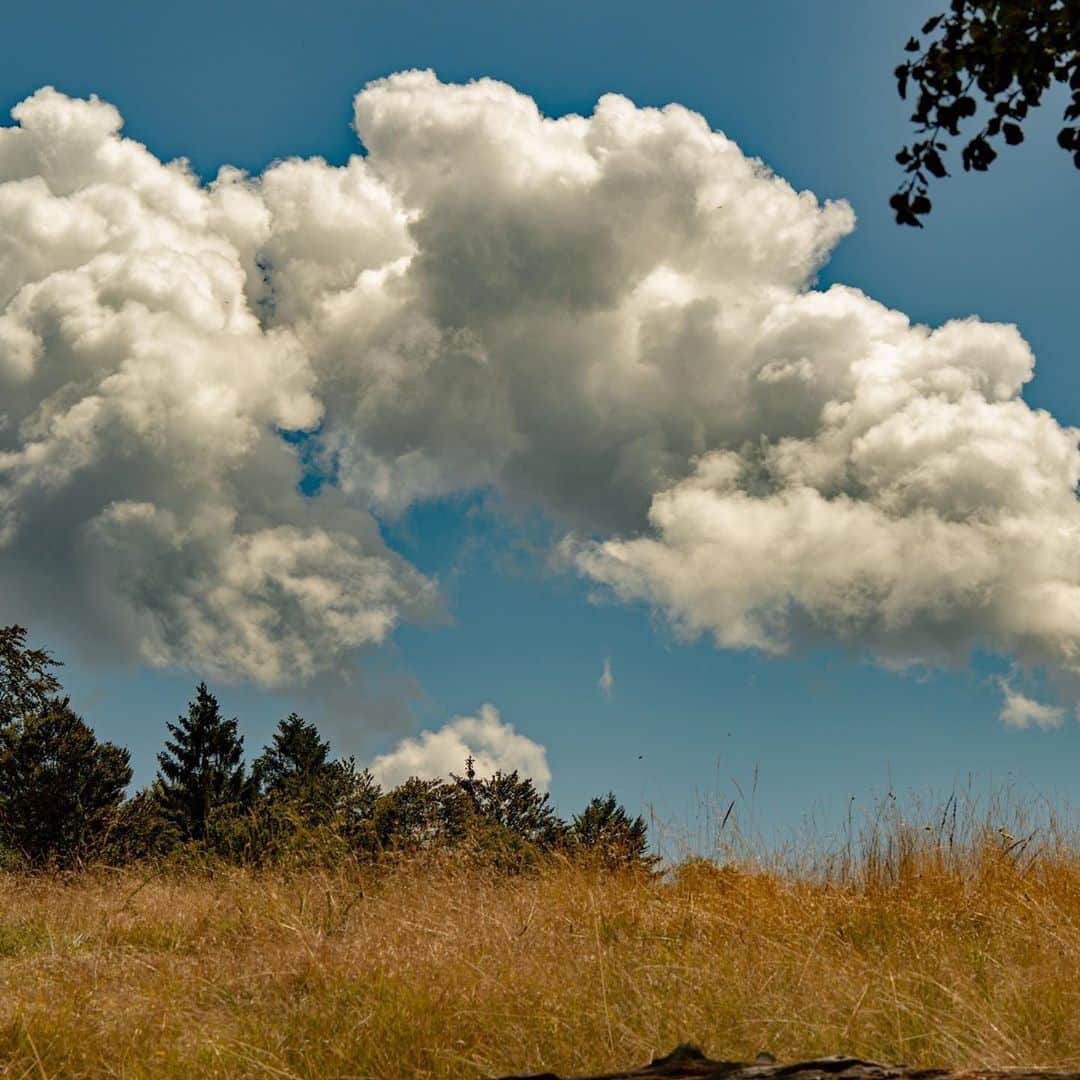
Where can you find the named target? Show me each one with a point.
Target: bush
(141, 830)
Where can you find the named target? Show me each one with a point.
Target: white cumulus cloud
(1019, 711)
(144, 489)
(612, 317)
(493, 744)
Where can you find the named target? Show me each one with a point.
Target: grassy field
(919, 947)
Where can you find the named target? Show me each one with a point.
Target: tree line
(63, 800)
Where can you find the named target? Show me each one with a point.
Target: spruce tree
(606, 831)
(296, 764)
(201, 769)
(296, 772)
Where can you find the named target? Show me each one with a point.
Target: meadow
(922, 941)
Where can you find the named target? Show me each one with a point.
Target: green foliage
(295, 765)
(605, 831)
(142, 830)
(10, 860)
(296, 770)
(1007, 51)
(421, 814)
(305, 807)
(201, 769)
(60, 787)
(26, 683)
(511, 803)
(359, 797)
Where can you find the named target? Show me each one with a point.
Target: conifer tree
(297, 762)
(606, 830)
(295, 773)
(201, 769)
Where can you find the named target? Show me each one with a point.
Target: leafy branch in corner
(1008, 51)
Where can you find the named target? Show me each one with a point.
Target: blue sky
(808, 88)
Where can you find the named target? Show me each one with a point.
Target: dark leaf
(931, 24)
(912, 45)
(1013, 134)
(978, 154)
(934, 164)
(920, 204)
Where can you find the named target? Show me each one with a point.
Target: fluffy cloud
(1019, 711)
(612, 317)
(928, 511)
(144, 488)
(494, 745)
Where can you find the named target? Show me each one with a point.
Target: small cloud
(606, 681)
(1018, 711)
(493, 745)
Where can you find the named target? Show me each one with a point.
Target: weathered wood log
(687, 1062)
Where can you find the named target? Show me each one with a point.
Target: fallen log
(687, 1062)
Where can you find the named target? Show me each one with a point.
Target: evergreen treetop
(605, 829)
(295, 762)
(201, 769)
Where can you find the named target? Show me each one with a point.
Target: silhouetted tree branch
(1008, 51)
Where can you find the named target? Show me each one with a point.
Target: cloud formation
(606, 682)
(493, 744)
(1022, 712)
(144, 488)
(610, 317)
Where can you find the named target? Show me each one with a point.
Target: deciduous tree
(513, 803)
(1009, 53)
(60, 787)
(27, 683)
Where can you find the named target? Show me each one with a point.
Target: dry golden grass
(910, 951)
